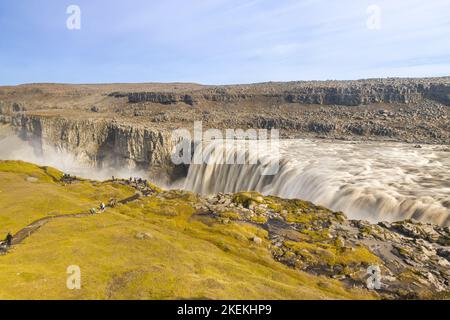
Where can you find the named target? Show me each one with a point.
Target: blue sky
(221, 41)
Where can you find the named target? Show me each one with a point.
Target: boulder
(144, 236)
(257, 240)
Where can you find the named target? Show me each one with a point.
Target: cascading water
(372, 181)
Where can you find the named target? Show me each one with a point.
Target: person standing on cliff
(9, 239)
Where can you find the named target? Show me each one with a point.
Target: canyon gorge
(367, 126)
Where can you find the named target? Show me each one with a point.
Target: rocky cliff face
(323, 93)
(96, 142)
(158, 97)
(439, 92)
(131, 124)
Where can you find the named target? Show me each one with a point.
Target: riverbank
(175, 244)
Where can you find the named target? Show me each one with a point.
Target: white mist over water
(14, 148)
(374, 181)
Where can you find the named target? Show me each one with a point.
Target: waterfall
(372, 181)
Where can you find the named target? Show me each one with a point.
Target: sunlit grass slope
(183, 256)
(29, 192)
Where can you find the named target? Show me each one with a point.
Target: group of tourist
(7, 242)
(137, 181)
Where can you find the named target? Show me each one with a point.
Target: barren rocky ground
(412, 110)
(131, 124)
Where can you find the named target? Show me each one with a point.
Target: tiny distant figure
(93, 211)
(112, 202)
(113, 178)
(8, 239)
(102, 206)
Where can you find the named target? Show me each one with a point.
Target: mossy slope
(186, 256)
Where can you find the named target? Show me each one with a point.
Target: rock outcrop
(96, 142)
(412, 259)
(131, 124)
(159, 97)
(349, 93)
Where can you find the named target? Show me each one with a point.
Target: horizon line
(212, 85)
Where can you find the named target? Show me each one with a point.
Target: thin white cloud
(226, 41)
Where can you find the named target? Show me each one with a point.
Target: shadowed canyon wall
(322, 93)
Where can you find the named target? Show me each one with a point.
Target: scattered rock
(257, 240)
(413, 256)
(144, 236)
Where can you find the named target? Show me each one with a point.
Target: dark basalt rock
(413, 258)
(348, 93)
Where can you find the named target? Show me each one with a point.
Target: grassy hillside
(29, 192)
(182, 255)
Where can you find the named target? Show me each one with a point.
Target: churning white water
(373, 181)
(14, 148)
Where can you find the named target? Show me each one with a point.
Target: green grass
(186, 257)
(319, 253)
(29, 192)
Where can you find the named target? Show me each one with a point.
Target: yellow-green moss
(24, 201)
(300, 218)
(186, 258)
(316, 236)
(43, 174)
(321, 253)
(248, 198)
(172, 206)
(230, 215)
(259, 219)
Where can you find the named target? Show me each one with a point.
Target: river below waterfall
(375, 181)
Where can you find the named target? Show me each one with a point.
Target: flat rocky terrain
(131, 124)
(412, 110)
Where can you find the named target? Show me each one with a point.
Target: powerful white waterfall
(372, 181)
